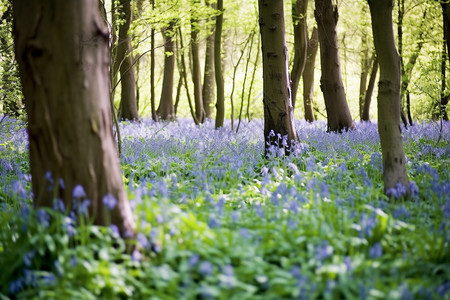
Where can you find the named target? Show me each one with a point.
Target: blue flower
(376, 250)
(43, 217)
(78, 192)
(323, 251)
(28, 258)
(213, 222)
(205, 268)
(193, 260)
(83, 208)
(143, 241)
(110, 201)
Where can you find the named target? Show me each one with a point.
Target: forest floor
(217, 220)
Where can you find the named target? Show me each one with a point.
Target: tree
(196, 71)
(220, 101)
(128, 103)
(338, 114)
(278, 110)
(299, 17)
(394, 160)
(369, 91)
(208, 77)
(63, 56)
(166, 110)
(308, 75)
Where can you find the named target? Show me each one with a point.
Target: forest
(219, 149)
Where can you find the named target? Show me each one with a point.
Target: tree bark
(128, 104)
(196, 70)
(278, 110)
(299, 19)
(166, 110)
(308, 76)
(394, 160)
(63, 55)
(365, 69)
(208, 77)
(368, 93)
(220, 101)
(338, 114)
(152, 70)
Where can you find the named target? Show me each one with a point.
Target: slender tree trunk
(128, 104)
(394, 160)
(63, 55)
(196, 70)
(365, 69)
(278, 110)
(368, 93)
(252, 80)
(308, 76)
(166, 110)
(220, 102)
(338, 114)
(299, 18)
(208, 77)
(442, 107)
(152, 70)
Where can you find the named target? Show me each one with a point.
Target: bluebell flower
(16, 285)
(18, 189)
(193, 260)
(376, 250)
(48, 279)
(348, 263)
(443, 289)
(83, 208)
(401, 212)
(61, 183)
(78, 192)
(58, 205)
(143, 241)
(213, 222)
(28, 258)
(115, 229)
(49, 177)
(205, 268)
(293, 206)
(245, 233)
(323, 251)
(43, 217)
(110, 201)
(446, 209)
(259, 210)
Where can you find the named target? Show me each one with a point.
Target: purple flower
(83, 208)
(376, 250)
(59, 205)
(213, 222)
(348, 263)
(43, 217)
(323, 251)
(205, 268)
(193, 260)
(115, 229)
(142, 240)
(28, 258)
(110, 201)
(78, 192)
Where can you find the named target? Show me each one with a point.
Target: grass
(218, 221)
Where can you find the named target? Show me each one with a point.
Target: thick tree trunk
(128, 104)
(368, 93)
(208, 77)
(166, 110)
(220, 102)
(299, 18)
(394, 160)
(196, 71)
(278, 110)
(308, 75)
(338, 114)
(63, 56)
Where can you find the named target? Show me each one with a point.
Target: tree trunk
(368, 93)
(128, 104)
(365, 69)
(208, 77)
(152, 70)
(442, 106)
(394, 160)
(196, 71)
(308, 75)
(63, 55)
(166, 110)
(338, 114)
(278, 110)
(299, 18)
(220, 102)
